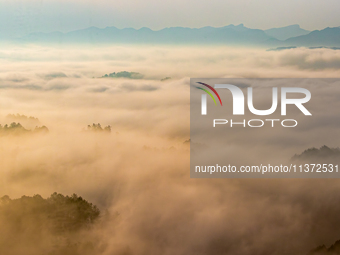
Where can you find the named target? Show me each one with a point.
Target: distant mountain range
(232, 35)
(284, 33)
(326, 37)
(229, 35)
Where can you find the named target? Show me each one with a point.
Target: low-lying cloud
(138, 175)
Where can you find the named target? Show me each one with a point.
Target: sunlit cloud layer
(138, 174)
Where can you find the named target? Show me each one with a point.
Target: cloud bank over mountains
(138, 174)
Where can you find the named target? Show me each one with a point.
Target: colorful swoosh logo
(212, 89)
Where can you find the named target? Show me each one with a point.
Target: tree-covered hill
(53, 226)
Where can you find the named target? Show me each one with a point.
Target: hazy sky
(18, 17)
